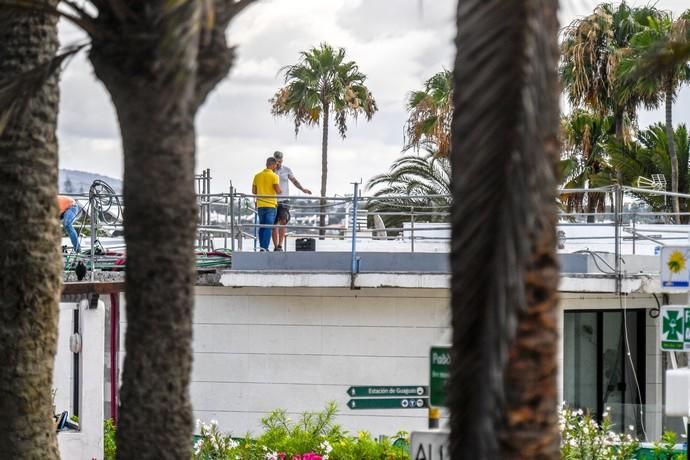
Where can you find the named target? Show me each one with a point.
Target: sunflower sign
(675, 269)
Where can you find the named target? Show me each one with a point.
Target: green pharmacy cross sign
(675, 327)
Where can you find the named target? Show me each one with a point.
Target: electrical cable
(596, 256)
(624, 305)
(655, 312)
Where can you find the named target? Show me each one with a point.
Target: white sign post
(429, 445)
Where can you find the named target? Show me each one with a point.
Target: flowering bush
(213, 444)
(314, 436)
(582, 438)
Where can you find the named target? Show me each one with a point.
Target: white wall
(86, 444)
(256, 350)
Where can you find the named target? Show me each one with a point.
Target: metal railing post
(412, 228)
(225, 227)
(633, 232)
(94, 216)
(355, 199)
(256, 228)
(232, 218)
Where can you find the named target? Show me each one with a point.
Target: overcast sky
(397, 43)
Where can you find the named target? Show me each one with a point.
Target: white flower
(326, 447)
(631, 428)
(271, 455)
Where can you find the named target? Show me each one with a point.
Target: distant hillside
(71, 181)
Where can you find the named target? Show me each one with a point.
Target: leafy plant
(663, 449)
(582, 438)
(109, 446)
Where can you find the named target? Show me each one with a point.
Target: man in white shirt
(283, 216)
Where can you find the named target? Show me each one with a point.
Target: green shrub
(314, 436)
(582, 438)
(663, 449)
(109, 439)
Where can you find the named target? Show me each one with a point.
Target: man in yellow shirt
(267, 185)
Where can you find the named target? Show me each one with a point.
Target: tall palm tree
(413, 182)
(159, 60)
(320, 83)
(584, 136)
(30, 273)
(591, 52)
(644, 79)
(502, 394)
(430, 114)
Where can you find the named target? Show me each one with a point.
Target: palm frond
(16, 92)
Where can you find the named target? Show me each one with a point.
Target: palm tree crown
(413, 183)
(430, 114)
(321, 81)
(590, 57)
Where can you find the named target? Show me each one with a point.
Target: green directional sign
(388, 403)
(675, 330)
(379, 391)
(439, 373)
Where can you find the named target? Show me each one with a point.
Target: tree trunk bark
(502, 393)
(618, 120)
(672, 150)
(324, 169)
(156, 104)
(30, 273)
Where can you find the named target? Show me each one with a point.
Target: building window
(604, 364)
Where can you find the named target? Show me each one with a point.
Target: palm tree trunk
(672, 149)
(502, 394)
(160, 228)
(30, 273)
(156, 116)
(324, 169)
(618, 120)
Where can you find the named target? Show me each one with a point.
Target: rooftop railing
(618, 220)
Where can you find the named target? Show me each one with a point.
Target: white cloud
(396, 43)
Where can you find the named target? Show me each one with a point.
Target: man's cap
(278, 155)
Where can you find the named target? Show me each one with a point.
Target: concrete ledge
(570, 282)
(369, 262)
(251, 278)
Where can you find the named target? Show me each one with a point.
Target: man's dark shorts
(283, 214)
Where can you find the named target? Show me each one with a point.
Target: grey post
(232, 218)
(94, 216)
(355, 200)
(412, 227)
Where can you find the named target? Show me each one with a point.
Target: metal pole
(232, 219)
(354, 268)
(256, 229)
(412, 227)
(94, 216)
(209, 235)
(617, 203)
(633, 233)
(225, 227)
